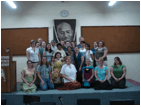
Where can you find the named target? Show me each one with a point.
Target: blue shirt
(93, 50)
(78, 59)
(90, 67)
(44, 71)
(79, 46)
(101, 73)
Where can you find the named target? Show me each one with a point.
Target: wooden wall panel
(18, 40)
(120, 39)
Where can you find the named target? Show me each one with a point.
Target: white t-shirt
(33, 55)
(54, 48)
(63, 54)
(83, 52)
(88, 55)
(69, 72)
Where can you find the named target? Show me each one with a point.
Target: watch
(64, 13)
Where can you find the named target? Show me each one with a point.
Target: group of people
(67, 66)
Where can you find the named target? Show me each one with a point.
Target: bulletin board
(118, 39)
(18, 39)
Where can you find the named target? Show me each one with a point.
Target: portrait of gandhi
(64, 30)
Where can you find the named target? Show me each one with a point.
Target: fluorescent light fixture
(11, 4)
(111, 3)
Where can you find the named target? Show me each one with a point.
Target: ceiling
(25, 6)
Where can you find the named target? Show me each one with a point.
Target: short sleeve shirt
(63, 54)
(78, 59)
(118, 71)
(100, 53)
(70, 72)
(33, 55)
(88, 55)
(44, 71)
(49, 56)
(101, 73)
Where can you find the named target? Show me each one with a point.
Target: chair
(27, 99)
(3, 101)
(88, 102)
(122, 102)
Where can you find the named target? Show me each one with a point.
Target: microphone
(61, 100)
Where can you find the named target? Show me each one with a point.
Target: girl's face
(72, 44)
(48, 46)
(101, 62)
(29, 64)
(95, 44)
(116, 61)
(69, 49)
(76, 49)
(62, 43)
(33, 44)
(68, 60)
(37, 45)
(44, 60)
(88, 62)
(58, 55)
(87, 47)
(43, 44)
(100, 44)
(67, 44)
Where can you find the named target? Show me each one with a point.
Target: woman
(118, 72)
(57, 65)
(37, 44)
(73, 45)
(28, 77)
(83, 51)
(68, 73)
(33, 54)
(44, 74)
(70, 53)
(59, 49)
(93, 50)
(48, 53)
(79, 59)
(42, 48)
(89, 54)
(101, 74)
(87, 75)
(101, 51)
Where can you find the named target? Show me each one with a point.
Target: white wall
(42, 14)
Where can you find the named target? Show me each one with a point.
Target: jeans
(47, 84)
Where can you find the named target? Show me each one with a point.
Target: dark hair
(29, 61)
(59, 44)
(118, 60)
(68, 47)
(47, 65)
(102, 42)
(76, 46)
(36, 42)
(57, 53)
(82, 42)
(88, 45)
(50, 50)
(66, 42)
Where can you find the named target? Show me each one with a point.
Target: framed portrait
(64, 29)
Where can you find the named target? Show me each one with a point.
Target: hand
(53, 60)
(79, 68)
(83, 80)
(116, 79)
(27, 84)
(88, 80)
(30, 84)
(42, 83)
(75, 81)
(101, 81)
(51, 81)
